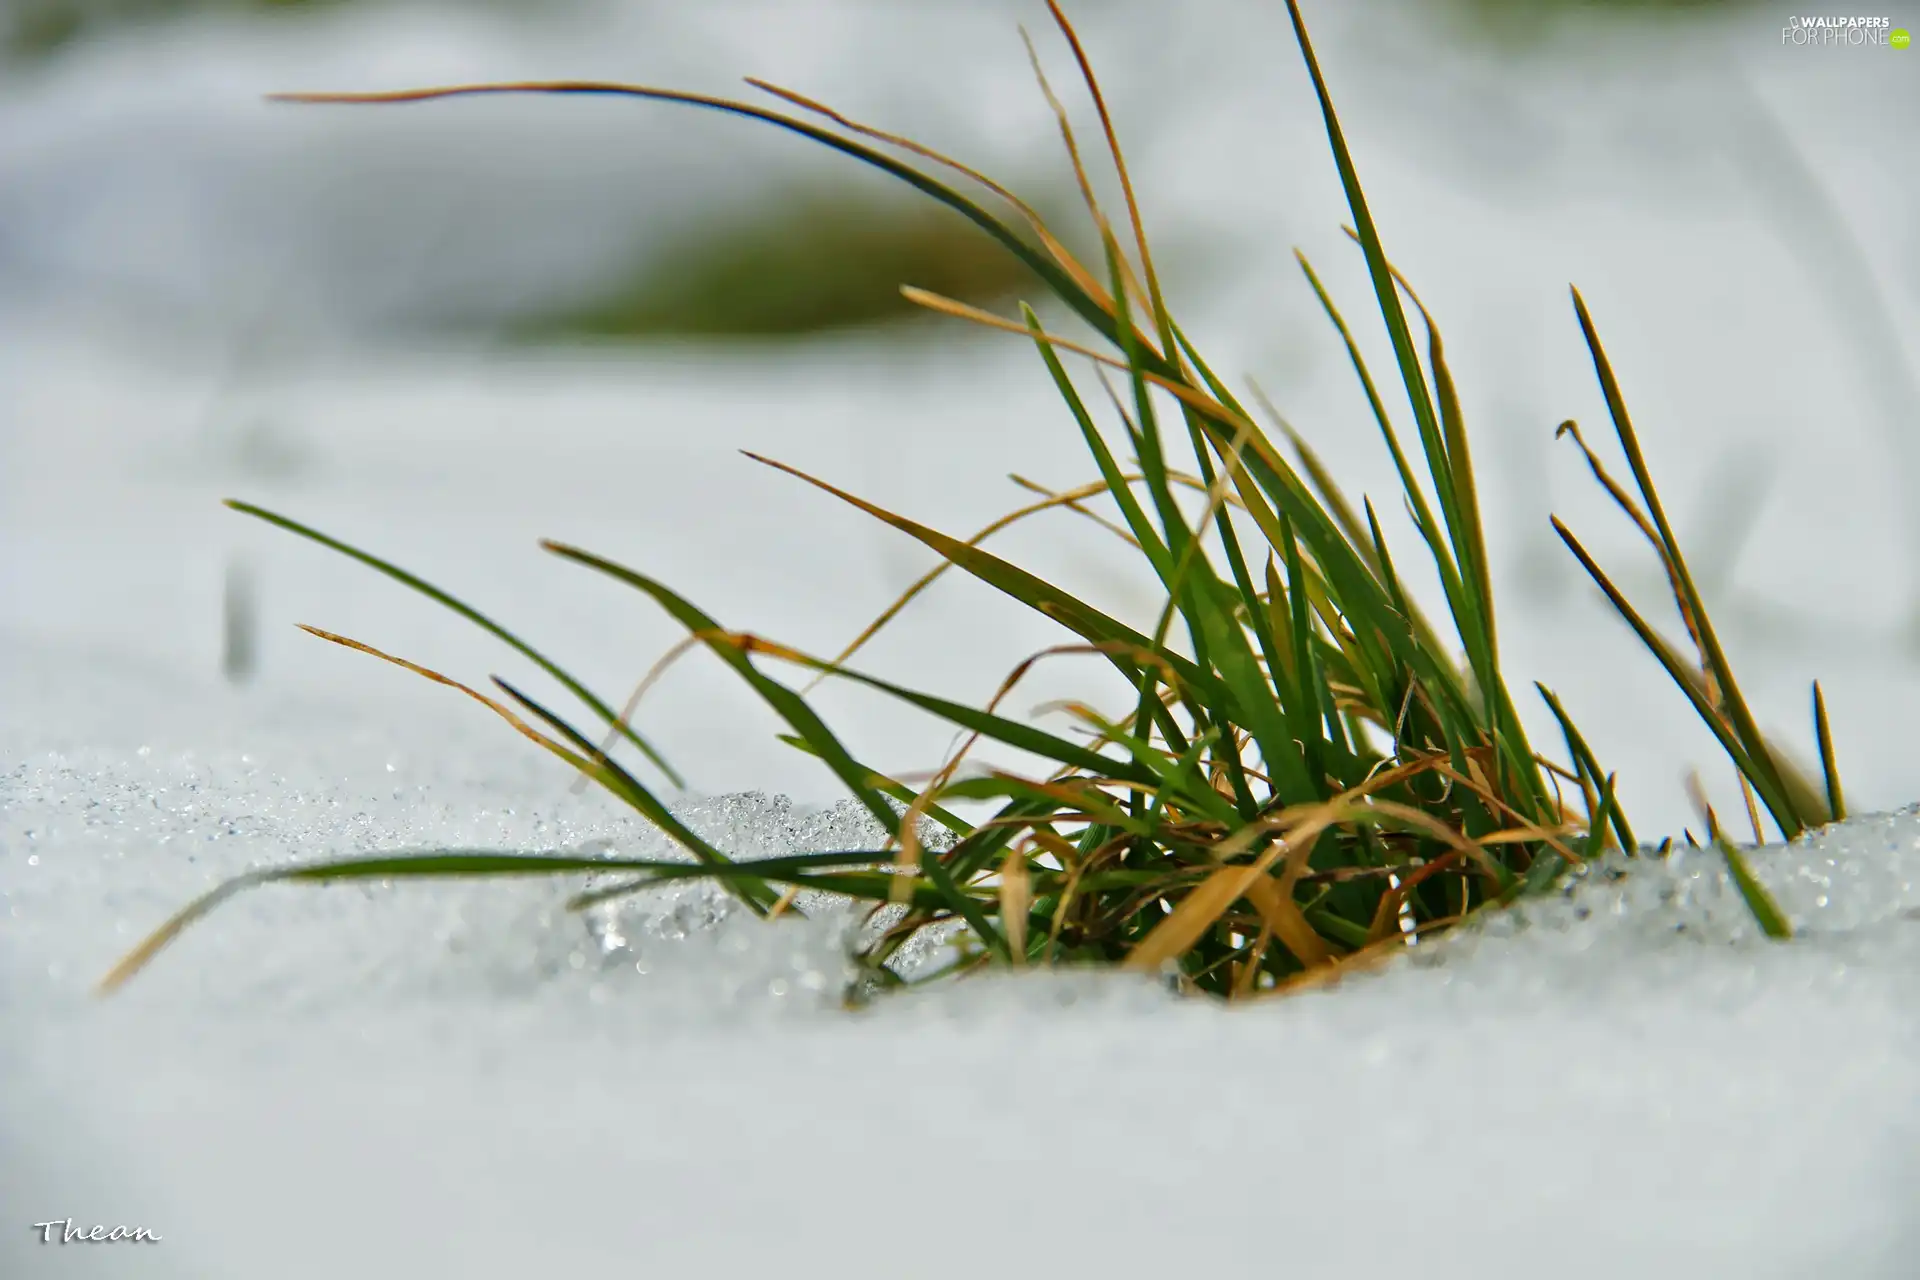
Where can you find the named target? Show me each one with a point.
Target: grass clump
(1304, 776)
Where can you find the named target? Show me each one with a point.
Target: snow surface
(465, 1080)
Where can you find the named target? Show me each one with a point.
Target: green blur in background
(806, 263)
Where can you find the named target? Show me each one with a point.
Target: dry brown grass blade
(962, 311)
(750, 643)
(1100, 728)
(1174, 476)
(1119, 163)
(632, 705)
(1753, 809)
(1076, 870)
(1070, 499)
(1210, 408)
(1057, 845)
(1016, 897)
(1282, 918)
(1212, 897)
(909, 857)
(1371, 956)
(1075, 505)
(1384, 775)
(1080, 176)
(1559, 770)
(1523, 831)
(1074, 157)
(1087, 282)
(907, 860)
(1081, 277)
(1458, 842)
(1244, 982)
(1032, 660)
(505, 712)
(1386, 920)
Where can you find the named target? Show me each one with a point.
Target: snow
(467, 1080)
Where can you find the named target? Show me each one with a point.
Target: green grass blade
(977, 851)
(1361, 595)
(1203, 600)
(629, 789)
(1117, 487)
(1409, 483)
(1385, 293)
(1765, 783)
(1176, 779)
(889, 786)
(1245, 597)
(1022, 737)
(1544, 874)
(1585, 762)
(1472, 548)
(1836, 802)
(1095, 805)
(1766, 912)
(784, 701)
(1761, 767)
(427, 589)
(1153, 460)
(1043, 597)
(1310, 687)
(455, 863)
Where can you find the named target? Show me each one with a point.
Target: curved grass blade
(1084, 803)
(1048, 241)
(791, 708)
(1177, 779)
(588, 766)
(892, 787)
(1589, 767)
(1021, 737)
(1056, 278)
(1767, 785)
(591, 762)
(1385, 293)
(1071, 499)
(1082, 619)
(783, 700)
(1200, 909)
(629, 789)
(1120, 170)
(1763, 770)
(1547, 867)
(472, 615)
(1143, 532)
(1416, 495)
(445, 864)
